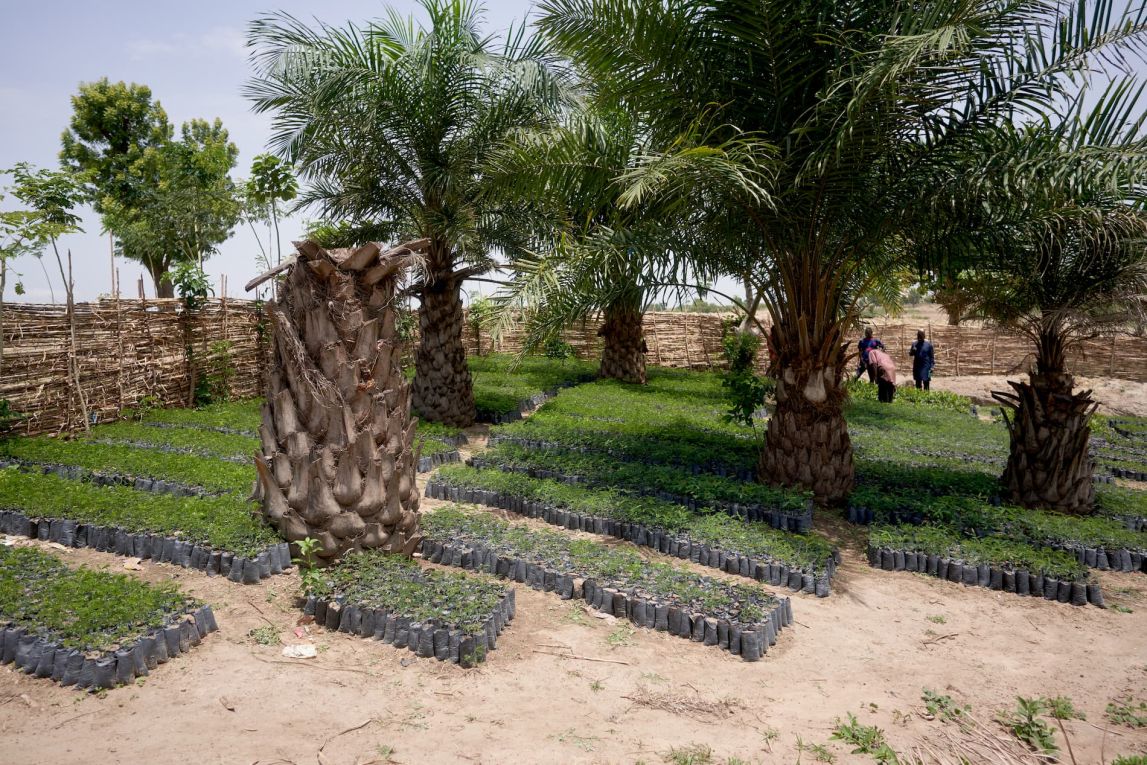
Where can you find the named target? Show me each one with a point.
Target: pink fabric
(885, 366)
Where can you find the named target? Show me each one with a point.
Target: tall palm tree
(592, 254)
(391, 122)
(863, 111)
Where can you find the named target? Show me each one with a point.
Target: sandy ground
(1114, 396)
(566, 686)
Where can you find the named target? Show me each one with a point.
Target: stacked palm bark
(1049, 464)
(339, 458)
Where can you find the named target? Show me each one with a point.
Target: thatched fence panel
(135, 351)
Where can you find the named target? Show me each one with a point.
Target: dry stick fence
(132, 350)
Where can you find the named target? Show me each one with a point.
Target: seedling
(1062, 708)
(265, 635)
(1127, 712)
(693, 754)
(943, 707)
(1024, 724)
(868, 739)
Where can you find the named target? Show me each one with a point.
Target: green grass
(376, 580)
(610, 566)
(79, 608)
(994, 551)
(719, 531)
(207, 473)
(224, 523)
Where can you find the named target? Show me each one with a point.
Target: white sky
(191, 55)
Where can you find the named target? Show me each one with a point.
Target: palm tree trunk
(1049, 463)
(339, 461)
(443, 390)
(807, 443)
(623, 355)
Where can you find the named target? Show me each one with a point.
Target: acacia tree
(270, 184)
(864, 113)
(391, 123)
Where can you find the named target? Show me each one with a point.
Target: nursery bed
(741, 619)
(90, 629)
(754, 550)
(448, 616)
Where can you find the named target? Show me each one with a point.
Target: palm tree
(391, 122)
(1064, 258)
(863, 114)
(593, 255)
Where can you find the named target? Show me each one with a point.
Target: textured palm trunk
(623, 353)
(1049, 463)
(339, 460)
(443, 390)
(807, 443)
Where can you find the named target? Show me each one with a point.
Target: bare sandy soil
(1114, 396)
(566, 686)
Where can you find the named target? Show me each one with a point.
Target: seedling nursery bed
(742, 619)
(90, 629)
(445, 615)
(754, 550)
(217, 535)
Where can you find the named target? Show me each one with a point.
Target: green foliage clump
(868, 739)
(224, 523)
(210, 443)
(638, 479)
(377, 580)
(993, 551)
(1024, 723)
(240, 415)
(502, 381)
(745, 390)
(91, 611)
(1127, 712)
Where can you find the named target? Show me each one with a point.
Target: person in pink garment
(885, 370)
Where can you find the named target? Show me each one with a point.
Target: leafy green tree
(21, 233)
(185, 205)
(51, 197)
(864, 114)
(391, 123)
(271, 183)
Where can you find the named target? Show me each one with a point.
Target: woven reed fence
(128, 352)
(693, 341)
(132, 351)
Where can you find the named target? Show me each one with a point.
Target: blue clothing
(865, 345)
(923, 359)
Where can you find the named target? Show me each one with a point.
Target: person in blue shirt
(865, 345)
(923, 359)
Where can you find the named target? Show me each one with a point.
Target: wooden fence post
(957, 351)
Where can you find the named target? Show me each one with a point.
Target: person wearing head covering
(866, 344)
(923, 359)
(884, 368)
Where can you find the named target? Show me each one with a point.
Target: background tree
(22, 232)
(391, 123)
(1064, 258)
(271, 183)
(185, 204)
(593, 255)
(863, 114)
(51, 197)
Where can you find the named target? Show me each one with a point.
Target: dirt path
(869, 649)
(1114, 396)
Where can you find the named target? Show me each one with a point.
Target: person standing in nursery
(923, 359)
(881, 365)
(866, 344)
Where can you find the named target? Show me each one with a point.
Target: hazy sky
(191, 55)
